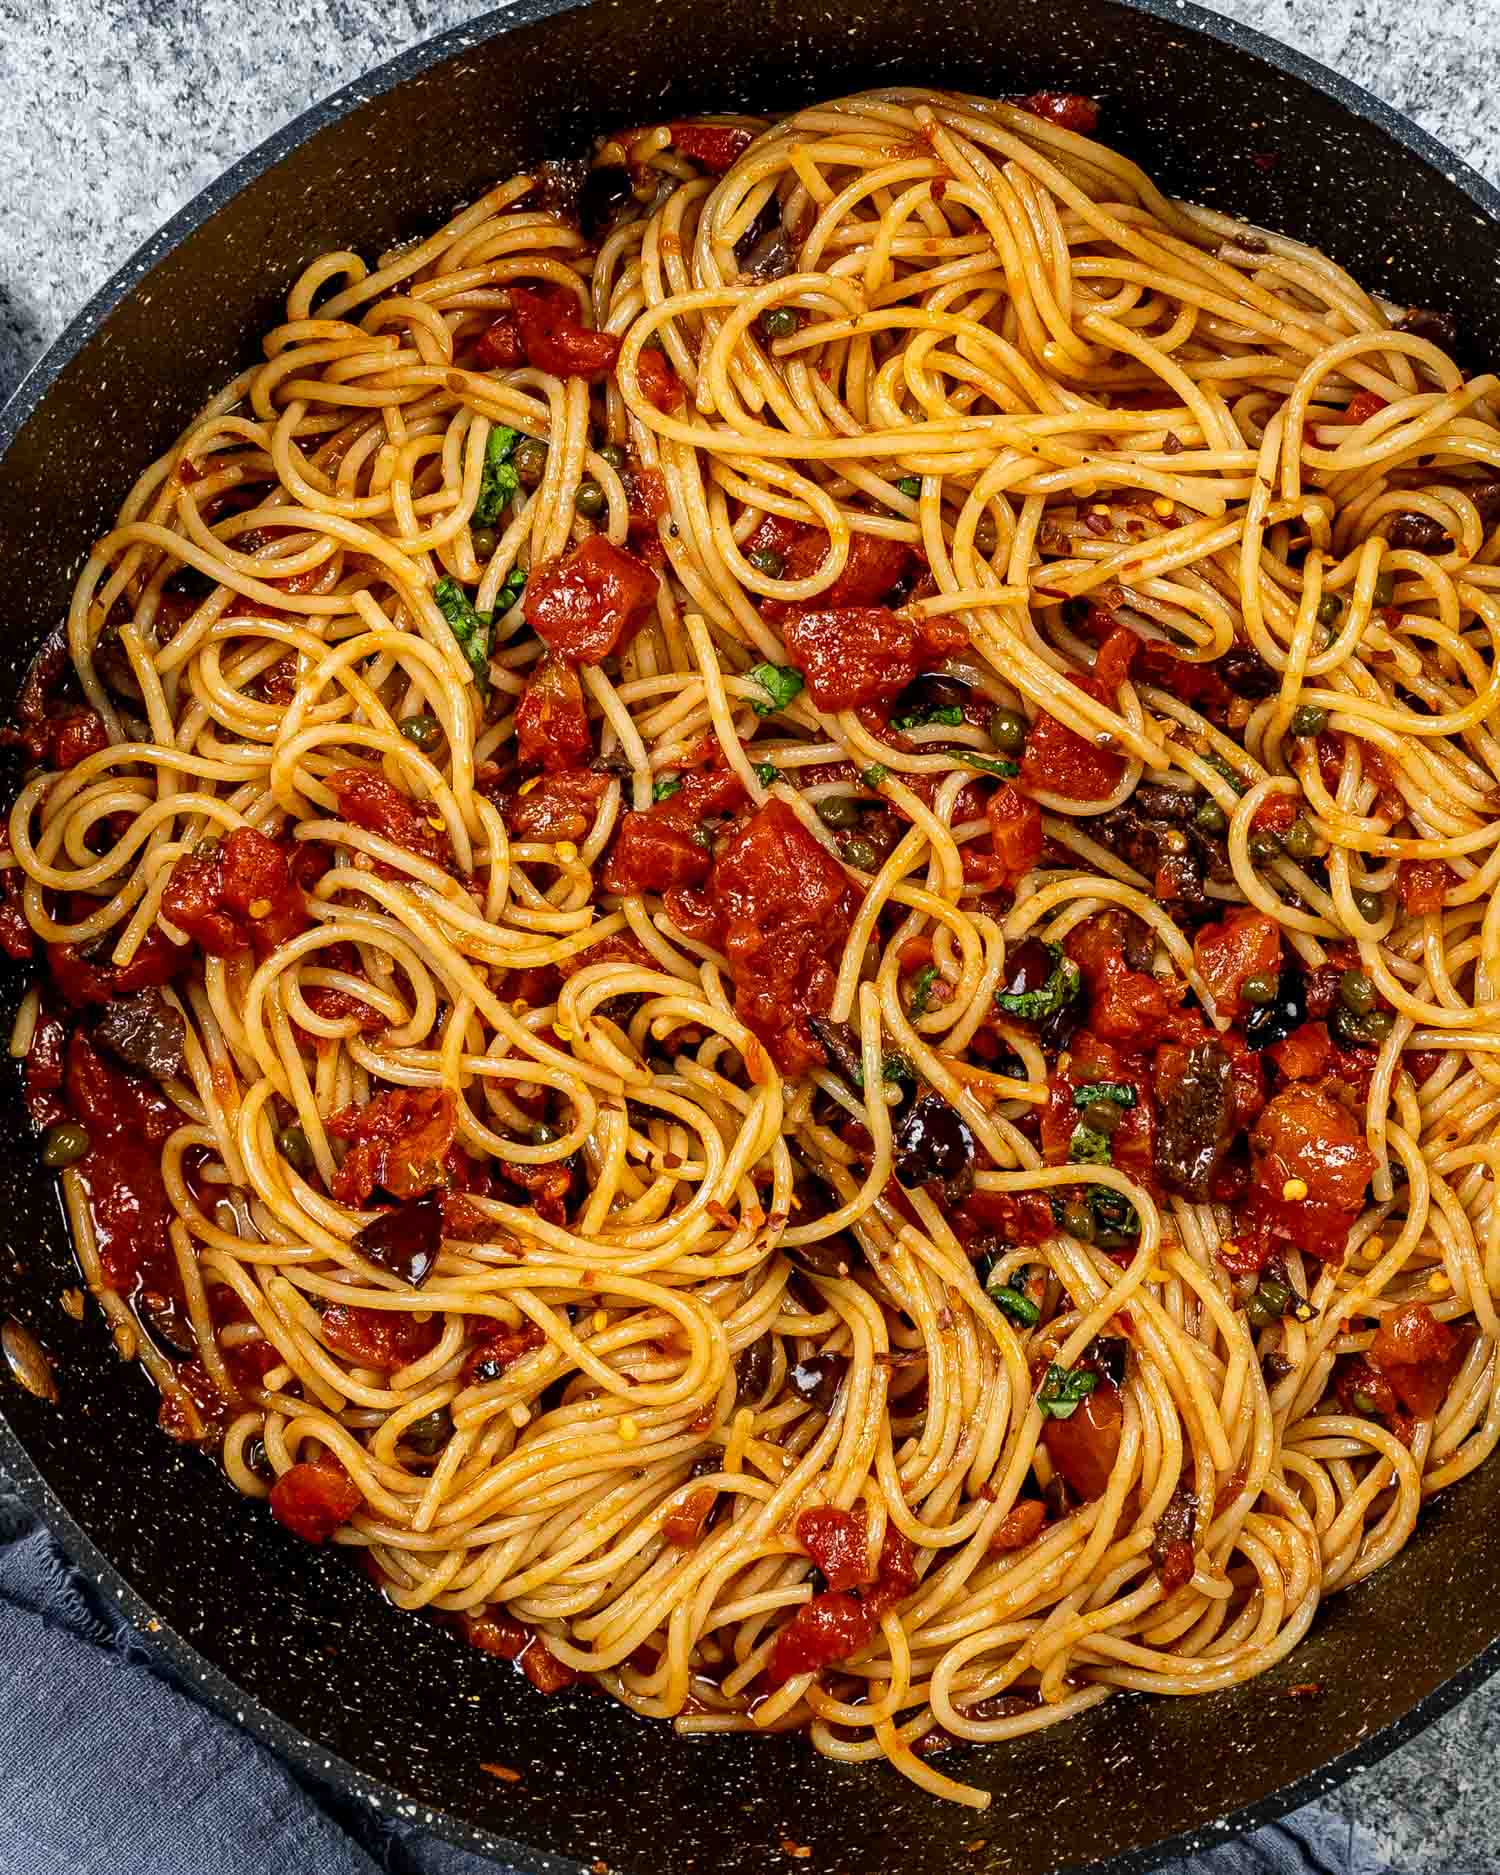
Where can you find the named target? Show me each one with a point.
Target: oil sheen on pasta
(763, 909)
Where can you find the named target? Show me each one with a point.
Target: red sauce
(1423, 884)
(716, 146)
(368, 800)
(127, 1122)
(1064, 108)
(554, 337)
(400, 1143)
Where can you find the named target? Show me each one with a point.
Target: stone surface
(113, 113)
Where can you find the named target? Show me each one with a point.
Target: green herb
(921, 990)
(1010, 1298)
(874, 774)
(1061, 987)
(470, 628)
(779, 684)
(1088, 1147)
(910, 486)
(767, 774)
(1120, 1092)
(1220, 767)
(499, 481)
(950, 715)
(988, 763)
(664, 789)
(1063, 1388)
(512, 588)
(1364, 1401)
(894, 1067)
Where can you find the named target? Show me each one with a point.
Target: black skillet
(293, 1642)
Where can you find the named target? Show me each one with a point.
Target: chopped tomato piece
(495, 1632)
(1116, 655)
(1244, 944)
(1015, 831)
(552, 724)
(585, 606)
(659, 383)
(82, 980)
(399, 1143)
(499, 347)
(1305, 1053)
(851, 655)
(241, 892)
(554, 336)
(501, 1350)
(873, 566)
(1084, 1447)
(1063, 762)
(373, 803)
(650, 856)
(1362, 406)
(313, 1500)
(78, 734)
(1419, 1356)
(384, 1338)
(1018, 1217)
(1423, 883)
(684, 1524)
(836, 1624)
(558, 807)
(838, 1542)
(619, 947)
(716, 146)
(1125, 1005)
(1310, 1167)
(1066, 109)
(1020, 1525)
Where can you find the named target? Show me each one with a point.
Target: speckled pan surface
(292, 1641)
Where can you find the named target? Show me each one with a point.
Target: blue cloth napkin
(108, 1766)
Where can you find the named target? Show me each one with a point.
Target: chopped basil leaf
(1010, 1298)
(989, 764)
(921, 990)
(1116, 1223)
(874, 774)
(779, 684)
(511, 590)
(1088, 1147)
(950, 715)
(499, 481)
(910, 486)
(1063, 1388)
(665, 788)
(1061, 987)
(470, 628)
(767, 774)
(1220, 767)
(895, 1067)
(1120, 1092)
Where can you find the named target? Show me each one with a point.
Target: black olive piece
(604, 191)
(1197, 1120)
(1176, 806)
(144, 1032)
(817, 1379)
(1287, 1010)
(167, 1324)
(1419, 533)
(405, 1241)
(257, 1460)
(1247, 674)
(829, 1256)
(752, 1369)
(930, 691)
(841, 1045)
(559, 182)
(767, 220)
(1175, 1524)
(429, 1434)
(1027, 968)
(1486, 498)
(1106, 1356)
(1439, 328)
(933, 1142)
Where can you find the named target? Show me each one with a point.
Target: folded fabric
(108, 1766)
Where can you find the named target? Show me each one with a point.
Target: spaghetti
(766, 889)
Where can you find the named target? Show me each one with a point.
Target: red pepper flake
(503, 1771)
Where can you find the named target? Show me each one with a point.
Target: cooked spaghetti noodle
(767, 893)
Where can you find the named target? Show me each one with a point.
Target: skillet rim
(193, 1670)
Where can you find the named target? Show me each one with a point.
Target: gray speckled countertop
(114, 112)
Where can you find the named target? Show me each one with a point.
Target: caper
(1370, 906)
(1265, 845)
(425, 731)
(291, 1143)
(614, 456)
(1008, 730)
(1385, 589)
(1078, 1220)
(590, 498)
(429, 1434)
(1102, 1115)
(530, 461)
(1301, 842)
(485, 540)
(1269, 1302)
(64, 1144)
(839, 810)
(780, 322)
(858, 852)
(1258, 990)
(768, 561)
(1370, 1028)
(986, 535)
(1210, 817)
(1356, 992)
(1309, 720)
(1329, 607)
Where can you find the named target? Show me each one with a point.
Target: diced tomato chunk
(873, 566)
(1419, 1356)
(1423, 883)
(499, 347)
(1015, 832)
(501, 1350)
(684, 1524)
(78, 734)
(851, 655)
(651, 856)
(1243, 944)
(1064, 108)
(659, 383)
(375, 804)
(585, 606)
(1063, 762)
(399, 1143)
(838, 1542)
(552, 724)
(384, 1338)
(1020, 1525)
(1116, 656)
(1018, 1217)
(1091, 1059)
(554, 337)
(239, 893)
(716, 146)
(1310, 1167)
(1362, 406)
(1084, 1446)
(1125, 1006)
(82, 980)
(557, 807)
(836, 1624)
(1305, 1054)
(313, 1500)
